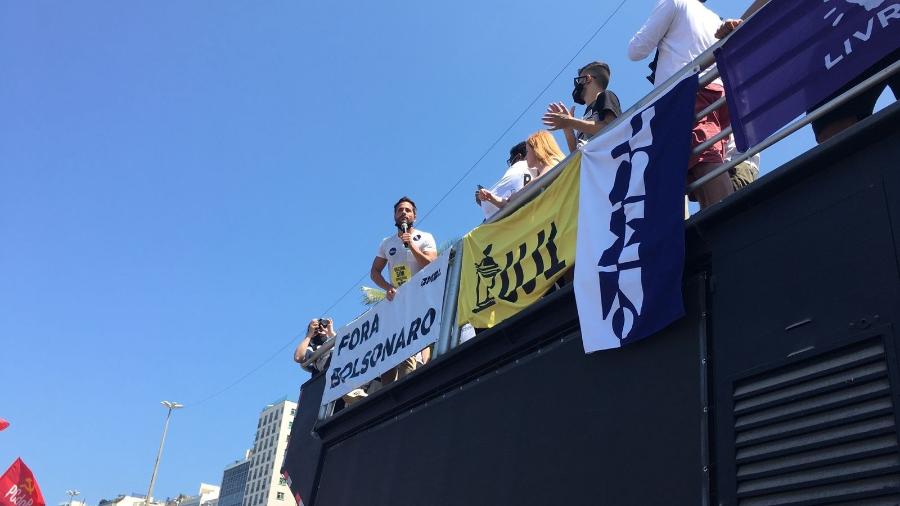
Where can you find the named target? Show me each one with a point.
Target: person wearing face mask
(590, 87)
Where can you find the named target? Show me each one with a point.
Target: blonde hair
(545, 148)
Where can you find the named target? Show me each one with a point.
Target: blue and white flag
(630, 249)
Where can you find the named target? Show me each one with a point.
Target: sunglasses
(581, 80)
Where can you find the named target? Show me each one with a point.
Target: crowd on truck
(675, 33)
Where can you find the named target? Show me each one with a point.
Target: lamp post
(171, 406)
(72, 493)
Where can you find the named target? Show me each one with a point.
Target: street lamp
(72, 493)
(171, 406)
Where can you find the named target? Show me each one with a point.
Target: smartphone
(479, 187)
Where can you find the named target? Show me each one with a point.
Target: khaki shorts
(743, 174)
(405, 367)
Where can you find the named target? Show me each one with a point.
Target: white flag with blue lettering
(630, 250)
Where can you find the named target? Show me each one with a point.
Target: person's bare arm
(590, 128)
(375, 273)
(488, 196)
(300, 352)
(555, 119)
(566, 121)
(423, 258)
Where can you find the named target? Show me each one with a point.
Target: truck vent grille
(818, 431)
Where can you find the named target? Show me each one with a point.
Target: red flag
(3, 424)
(18, 487)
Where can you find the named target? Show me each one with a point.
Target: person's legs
(713, 191)
(858, 108)
(713, 156)
(833, 126)
(743, 174)
(405, 367)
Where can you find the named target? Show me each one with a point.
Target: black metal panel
(301, 462)
(554, 426)
(805, 267)
(804, 264)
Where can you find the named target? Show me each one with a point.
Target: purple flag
(793, 54)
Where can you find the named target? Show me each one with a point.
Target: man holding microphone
(404, 253)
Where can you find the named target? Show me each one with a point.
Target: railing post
(451, 294)
(326, 410)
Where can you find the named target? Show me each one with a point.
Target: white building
(207, 496)
(265, 486)
(130, 500)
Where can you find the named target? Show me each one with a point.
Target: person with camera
(318, 331)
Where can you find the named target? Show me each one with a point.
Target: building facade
(130, 500)
(207, 496)
(265, 486)
(234, 482)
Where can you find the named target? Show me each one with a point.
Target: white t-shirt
(732, 152)
(515, 178)
(401, 262)
(681, 30)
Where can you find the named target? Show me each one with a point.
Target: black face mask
(576, 94)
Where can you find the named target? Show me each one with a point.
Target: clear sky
(183, 185)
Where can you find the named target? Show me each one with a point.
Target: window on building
(280, 496)
(282, 481)
(293, 412)
(290, 424)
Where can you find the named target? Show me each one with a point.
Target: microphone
(404, 227)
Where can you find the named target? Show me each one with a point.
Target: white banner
(389, 333)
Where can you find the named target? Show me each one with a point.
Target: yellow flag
(509, 264)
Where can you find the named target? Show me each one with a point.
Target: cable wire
(524, 111)
(436, 204)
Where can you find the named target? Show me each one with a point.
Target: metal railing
(703, 65)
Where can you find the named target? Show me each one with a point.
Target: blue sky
(183, 185)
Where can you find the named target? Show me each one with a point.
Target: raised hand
(558, 116)
(727, 27)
